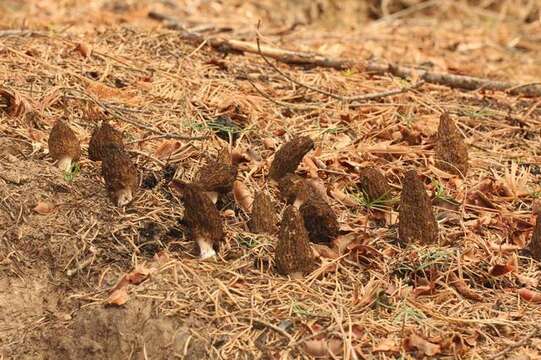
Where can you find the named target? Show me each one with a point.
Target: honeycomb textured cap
(451, 151)
(288, 157)
(118, 171)
(293, 252)
(63, 142)
(416, 221)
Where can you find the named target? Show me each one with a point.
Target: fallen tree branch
(315, 59)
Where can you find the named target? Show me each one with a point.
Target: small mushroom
(287, 158)
(373, 184)
(451, 152)
(202, 219)
(319, 218)
(416, 221)
(64, 145)
(119, 173)
(218, 175)
(293, 253)
(105, 134)
(263, 218)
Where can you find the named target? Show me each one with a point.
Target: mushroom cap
(102, 136)
(290, 187)
(319, 218)
(293, 252)
(534, 246)
(263, 218)
(374, 184)
(287, 158)
(451, 152)
(416, 221)
(218, 174)
(63, 142)
(118, 171)
(202, 218)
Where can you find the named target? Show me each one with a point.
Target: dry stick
(327, 93)
(315, 59)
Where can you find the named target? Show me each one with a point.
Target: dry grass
(377, 292)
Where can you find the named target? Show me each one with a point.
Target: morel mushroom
(287, 158)
(202, 219)
(534, 246)
(263, 218)
(290, 186)
(451, 151)
(319, 218)
(416, 221)
(64, 145)
(218, 175)
(105, 134)
(293, 252)
(374, 185)
(119, 173)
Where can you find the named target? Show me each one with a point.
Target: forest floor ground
(64, 246)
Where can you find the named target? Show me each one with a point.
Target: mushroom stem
(124, 197)
(206, 248)
(64, 163)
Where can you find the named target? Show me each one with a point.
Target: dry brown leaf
(118, 296)
(324, 251)
(83, 49)
(166, 149)
(463, 288)
(310, 166)
(138, 275)
(387, 345)
(415, 342)
(323, 347)
(44, 208)
(104, 92)
(343, 198)
(499, 269)
(243, 196)
(530, 295)
(17, 105)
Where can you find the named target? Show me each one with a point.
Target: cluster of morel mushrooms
(307, 217)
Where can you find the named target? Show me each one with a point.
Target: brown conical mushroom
(290, 186)
(105, 134)
(202, 219)
(534, 246)
(319, 218)
(64, 145)
(451, 152)
(287, 158)
(416, 221)
(374, 185)
(293, 252)
(119, 173)
(263, 218)
(218, 175)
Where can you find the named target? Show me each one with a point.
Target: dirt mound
(131, 332)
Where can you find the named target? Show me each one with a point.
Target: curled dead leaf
(417, 343)
(310, 166)
(166, 149)
(138, 275)
(118, 296)
(44, 208)
(387, 345)
(499, 269)
(530, 295)
(16, 104)
(323, 347)
(243, 196)
(324, 251)
(463, 289)
(83, 49)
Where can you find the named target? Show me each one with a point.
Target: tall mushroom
(119, 173)
(105, 134)
(293, 253)
(202, 219)
(416, 221)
